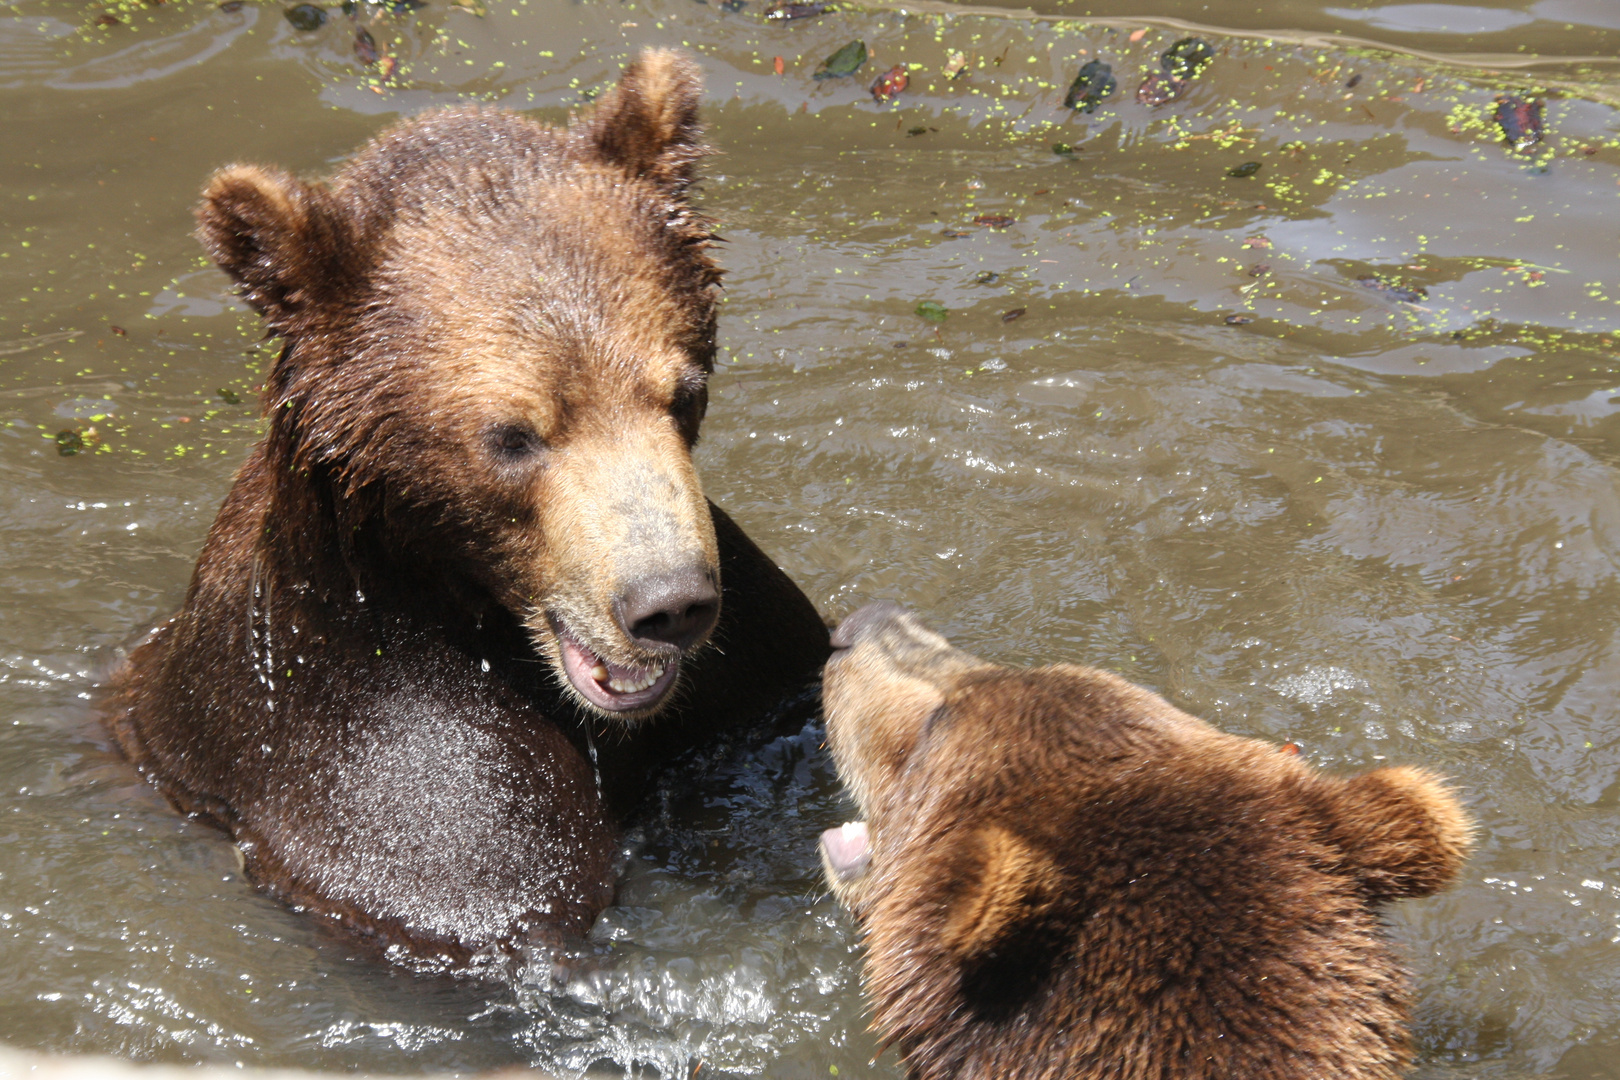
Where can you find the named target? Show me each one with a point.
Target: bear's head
(1059, 874)
(497, 342)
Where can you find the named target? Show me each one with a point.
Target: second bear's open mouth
(609, 686)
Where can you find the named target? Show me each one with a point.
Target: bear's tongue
(848, 849)
(611, 686)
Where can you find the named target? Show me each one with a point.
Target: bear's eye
(514, 441)
(690, 401)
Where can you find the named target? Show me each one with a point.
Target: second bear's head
(497, 342)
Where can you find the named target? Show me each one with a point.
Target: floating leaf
(1095, 82)
(846, 61)
(955, 64)
(779, 65)
(956, 234)
(229, 396)
(1015, 313)
(70, 442)
(1160, 88)
(1244, 171)
(109, 20)
(890, 83)
(1063, 149)
(471, 7)
(995, 221)
(306, 17)
(365, 46)
(932, 310)
(231, 7)
(1239, 320)
(385, 68)
(786, 11)
(1186, 58)
(1520, 120)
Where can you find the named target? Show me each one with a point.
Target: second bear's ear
(1003, 884)
(1403, 831)
(276, 236)
(648, 124)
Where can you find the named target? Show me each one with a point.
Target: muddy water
(1206, 454)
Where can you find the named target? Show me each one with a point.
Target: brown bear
(1060, 875)
(470, 558)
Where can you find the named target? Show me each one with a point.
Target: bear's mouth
(614, 687)
(846, 851)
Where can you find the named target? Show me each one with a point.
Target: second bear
(1060, 876)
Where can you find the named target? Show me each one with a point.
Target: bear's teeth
(632, 686)
(599, 673)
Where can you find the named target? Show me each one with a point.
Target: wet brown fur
(1071, 878)
(496, 343)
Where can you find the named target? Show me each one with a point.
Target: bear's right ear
(279, 238)
(648, 124)
(1003, 883)
(1402, 830)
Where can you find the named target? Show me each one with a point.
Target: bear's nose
(873, 614)
(677, 607)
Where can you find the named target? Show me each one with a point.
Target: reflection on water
(1165, 426)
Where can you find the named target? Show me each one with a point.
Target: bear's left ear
(1403, 832)
(648, 124)
(1003, 883)
(279, 238)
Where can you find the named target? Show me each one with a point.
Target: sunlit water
(1386, 530)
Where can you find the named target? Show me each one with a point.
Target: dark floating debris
(846, 61)
(231, 7)
(229, 396)
(987, 277)
(69, 442)
(956, 234)
(1520, 120)
(1015, 313)
(400, 7)
(1393, 292)
(1353, 82)
(1063, 149)
(786, 11)
(306, 17)
(916, 131)
(1259, 269)
(890, 83)
(365, 47)
(994, 221)
(1239, 320)
(932, 310)
(733, 6)
(109, 20)
(1244, 171)
(1179, 65)
(1095, 82)
(1186, 58)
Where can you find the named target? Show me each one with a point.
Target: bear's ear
(1403, 831)
(279, 238)
(1002, 884)
(648, 124)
